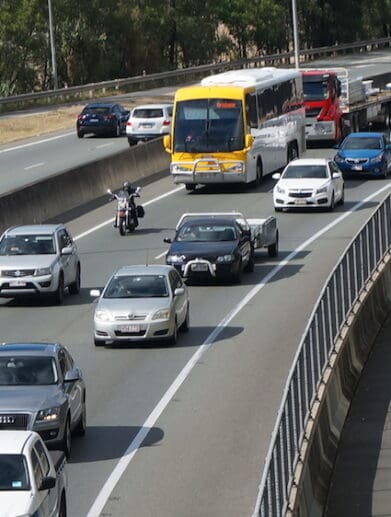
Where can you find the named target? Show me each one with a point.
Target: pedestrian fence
(342, 290)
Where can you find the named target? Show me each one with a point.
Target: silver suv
(38, 259)
(148, 122)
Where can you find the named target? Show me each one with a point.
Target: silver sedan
(141, 303)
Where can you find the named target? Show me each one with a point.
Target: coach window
(251, 110)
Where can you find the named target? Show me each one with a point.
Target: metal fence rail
(341, 291)
(186, 74)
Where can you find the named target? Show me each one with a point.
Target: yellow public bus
(236, 127)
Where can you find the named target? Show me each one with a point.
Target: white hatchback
(309, 182)
(148, 121)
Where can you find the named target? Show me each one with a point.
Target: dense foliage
(99, 40)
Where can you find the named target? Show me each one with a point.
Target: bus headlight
(237, 167)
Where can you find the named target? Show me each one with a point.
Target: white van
(148, 121)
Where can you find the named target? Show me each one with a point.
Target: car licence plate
(17, 283)
(199, 267)
(146, 125)
(357, 168)
(129, 328)
(300, 202)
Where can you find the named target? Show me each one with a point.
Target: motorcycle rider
(128, 188)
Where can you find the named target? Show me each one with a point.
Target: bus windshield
(208, 125)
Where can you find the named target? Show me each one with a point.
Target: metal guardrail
(341, 291)
(173, 77)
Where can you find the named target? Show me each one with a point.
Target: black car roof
(29, 348)
(208, 220)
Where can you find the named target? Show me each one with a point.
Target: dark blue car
(102, 119)
(364, 154)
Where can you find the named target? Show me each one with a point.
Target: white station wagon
(148, 121)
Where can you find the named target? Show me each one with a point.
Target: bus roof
(251, 77)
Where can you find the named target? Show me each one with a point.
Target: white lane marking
(103, 145)
(34, 166)
(104, 494)
(22, 146)
(161, 255)
(108, 221)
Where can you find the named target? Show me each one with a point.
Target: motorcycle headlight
(322, 190)
(225, 258)
(280, 190)
(377, 159)
(162, 314)
(101, 315)
(43, 271)
(48, 415)
(175, 259)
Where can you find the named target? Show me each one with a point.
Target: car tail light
(166, 122)
(81, 117)
(128, 123)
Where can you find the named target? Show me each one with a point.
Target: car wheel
(237, 276)
(251, 263)
(132, 142)
(80, 134)
(190, 186)
(384, 172)
(74, 287)
(173, 339)
(99, 342)
(342, 200)
(277, 209)
(332, 203)
(117, 130)
(186, 324)
(58, 296)
(66, 441)
(80, 429)
(63, 506)
(272, 250)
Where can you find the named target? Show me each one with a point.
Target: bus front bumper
(209, 170)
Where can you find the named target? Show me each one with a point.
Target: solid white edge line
(29, 167)
(104, 494)
(22, 146)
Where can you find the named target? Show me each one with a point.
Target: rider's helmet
(126, 185)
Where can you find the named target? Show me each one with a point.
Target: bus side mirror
(249, 141)
(167, 143)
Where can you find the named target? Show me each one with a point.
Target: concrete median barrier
(309, 496)
(72, 189)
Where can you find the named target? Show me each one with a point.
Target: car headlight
(322, 190)
(225, 258)
(175, 259)
(48, 415)
(162, 314)
(43, 271)
(280, 190)
(102, 315)
(377, 159)
(338, 158)
(238, 167)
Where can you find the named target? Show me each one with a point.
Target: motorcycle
(127, 213)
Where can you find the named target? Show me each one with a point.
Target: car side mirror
(68, 250)
(95, 293)
(276, 176)
(72, 375)
(179, 291)
(337, 175)
(167, 143)
(47, 483)
(167, 240)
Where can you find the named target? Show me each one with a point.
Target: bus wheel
(259, 175)
(292, 152)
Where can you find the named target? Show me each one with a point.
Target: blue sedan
(101, 118)
(364, 154)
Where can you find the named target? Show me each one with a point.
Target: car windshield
(206, 233)
(27, 245)
(137, 286)
(27, 371)
(148, 113)
(13, 472)
(305, 171)
(362, 143)
(209, 125)
(96, 110)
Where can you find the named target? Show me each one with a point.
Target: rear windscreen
(148, 113)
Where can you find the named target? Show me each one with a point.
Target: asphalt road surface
(184, 431)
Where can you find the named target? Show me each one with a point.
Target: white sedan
(309, 182)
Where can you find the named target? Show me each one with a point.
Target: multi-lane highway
(183, 431)
(36, 158)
